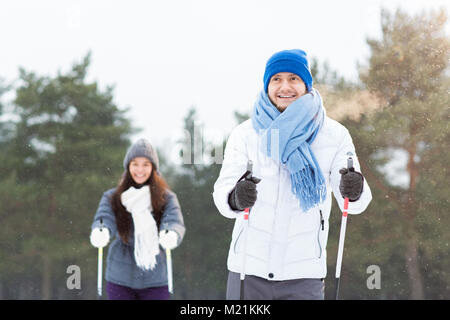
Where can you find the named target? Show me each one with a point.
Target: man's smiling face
(284, 88)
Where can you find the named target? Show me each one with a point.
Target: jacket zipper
(276, 209)
(322, 221)
(322, 227)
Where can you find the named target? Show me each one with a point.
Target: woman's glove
(351, 185)
(136, 200)
(99, 237)
(168, 239)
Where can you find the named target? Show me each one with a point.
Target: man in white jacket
(299, 158)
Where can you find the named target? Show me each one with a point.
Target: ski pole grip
(349, 160)
(249, 170)
(248, 174)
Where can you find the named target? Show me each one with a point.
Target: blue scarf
(296, 128)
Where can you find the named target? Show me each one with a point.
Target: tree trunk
(22, 295)
(46, 277)
(412, 266)
(46, 261)
(412, 248)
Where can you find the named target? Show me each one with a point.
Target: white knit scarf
(146, 241)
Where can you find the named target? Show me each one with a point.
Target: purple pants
(118, 292)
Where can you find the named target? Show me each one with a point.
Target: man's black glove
(351, 185)
(244, 194)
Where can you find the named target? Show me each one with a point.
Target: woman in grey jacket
(141, 213)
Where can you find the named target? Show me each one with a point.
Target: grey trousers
(256, 288)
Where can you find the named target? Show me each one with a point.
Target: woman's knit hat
(141, 148)
(294, 61)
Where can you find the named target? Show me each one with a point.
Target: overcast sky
(166, 56)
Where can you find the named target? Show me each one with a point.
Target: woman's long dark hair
(158, 189)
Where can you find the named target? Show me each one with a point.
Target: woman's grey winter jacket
(121, 266)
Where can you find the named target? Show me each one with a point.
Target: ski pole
(247, 175)
(169, 269)
(342, 233)
(100, 267)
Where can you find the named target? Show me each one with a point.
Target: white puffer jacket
(283, 241)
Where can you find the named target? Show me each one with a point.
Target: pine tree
(408, 69)
(69, 143)
(204, 250)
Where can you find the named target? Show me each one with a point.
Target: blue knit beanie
(294, 61)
